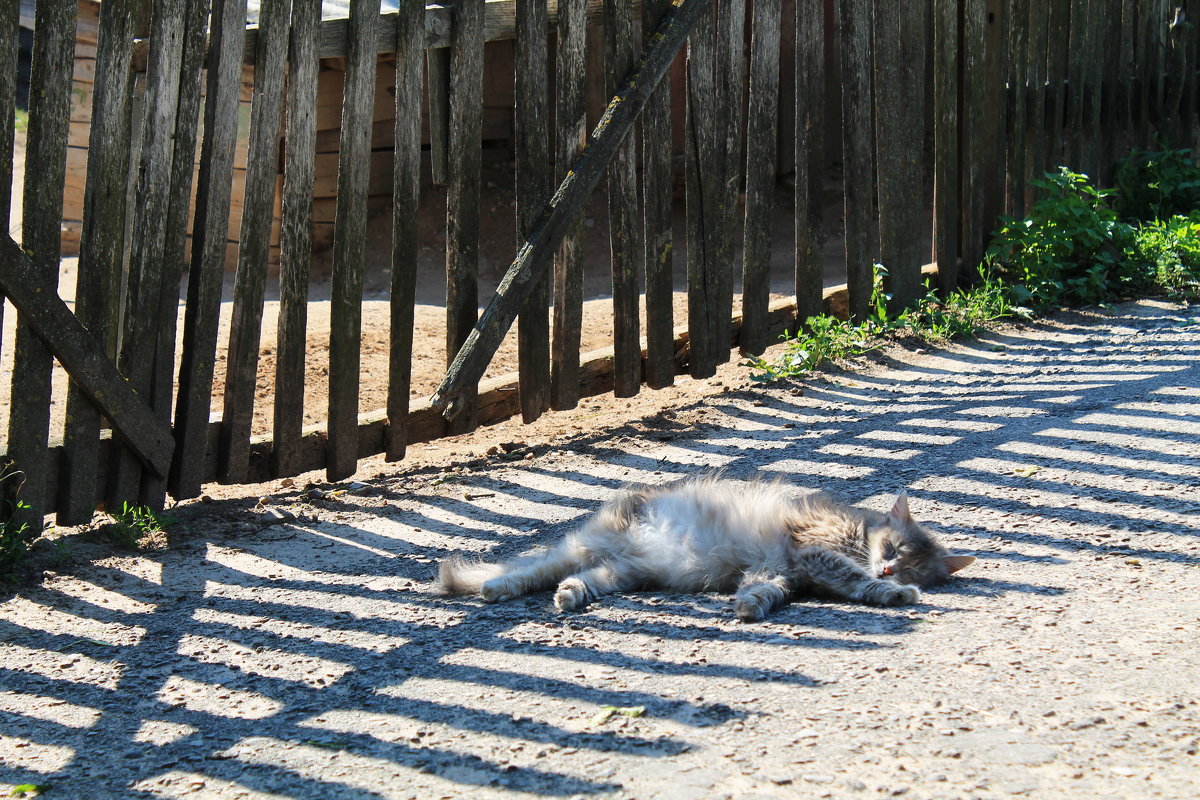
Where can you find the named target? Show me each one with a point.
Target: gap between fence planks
(535, 253)
(84, 359)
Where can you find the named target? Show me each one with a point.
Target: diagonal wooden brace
(537, 251)
(148, 436)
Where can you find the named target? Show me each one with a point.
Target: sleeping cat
(715, 534)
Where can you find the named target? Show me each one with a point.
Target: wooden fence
(949, 104)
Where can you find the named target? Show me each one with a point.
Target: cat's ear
(899, 512)
(955, 563)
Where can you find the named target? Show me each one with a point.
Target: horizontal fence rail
(205, 137)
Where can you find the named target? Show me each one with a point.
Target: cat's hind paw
(750, 609)
(496, 590)
(572, 594)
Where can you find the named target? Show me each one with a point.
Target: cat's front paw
(905, 595)
(496, 590)
(571, 595)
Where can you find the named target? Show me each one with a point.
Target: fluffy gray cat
(715, 534)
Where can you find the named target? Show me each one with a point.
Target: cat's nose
(886, 571)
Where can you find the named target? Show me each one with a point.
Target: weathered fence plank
(179, 210)
(295, 235)
(10, 15)
(101, 248)
(899, 59)
(406, 198)
(462, 196)
(657, 202)
(624, 241)
(1017, 107)
(345, 326)
(532, 144)
(535, 253)
(258, 209)
(46, 152)
(210, 230)
(47, 317)
(810, 132)
(1057, 61)
(946, 180)
(761, 132)
(1035, 114)
(437, 69)
(704, 195)
(144, 281)
(857, 160)
(571, 136)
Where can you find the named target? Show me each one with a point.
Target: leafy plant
(135, 524)
(1168, 253)
(1157, 184)
(14, 535)
(1067, 250)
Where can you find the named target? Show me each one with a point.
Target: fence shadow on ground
(314, 659)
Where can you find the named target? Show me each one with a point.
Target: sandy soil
(287, 641)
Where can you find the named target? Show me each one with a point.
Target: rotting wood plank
(899, 144)
(1017, 107)
(1110, 111)
(731, 81)
(856, 152)
(810, 132)
(209, 238)
(437, 70)
(295, 235)
(534, 255)
(1076, 88)
(46, 150)
(406, 199)
(85, 360)
(345, 326)
(144, 280)
(258, 211)
(571, 137)
(657, 199)
(946, 221)
(183, 167)
(761, 130)
(10, 15)
(531, 133)
(1035, 153)
(624, 242)
(462, 195)
(704, 193)
(1057, 56)
(101, 249)
(991, 139)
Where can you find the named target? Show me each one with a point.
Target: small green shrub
(1067, 250)
(135, 526)
(1157, 184)
(1167, 252)
(14, 536)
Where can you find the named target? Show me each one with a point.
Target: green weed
(14, 536)
(135, 526)
(1157, 184)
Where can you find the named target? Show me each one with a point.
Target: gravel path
(294, 648)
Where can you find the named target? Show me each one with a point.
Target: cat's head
(903, 551)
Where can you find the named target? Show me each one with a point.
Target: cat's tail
(457, 575)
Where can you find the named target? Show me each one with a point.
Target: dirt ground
(287, 641)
